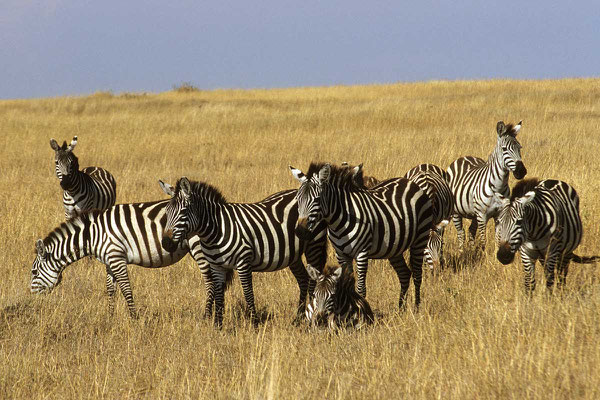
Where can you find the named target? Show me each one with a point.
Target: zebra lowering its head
(88, 189)
(335, 302)
(248, 237)
(124, 234)
(474, 182)
(434, 182)
(363, 224)
(541, 220)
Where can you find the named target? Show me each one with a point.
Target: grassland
(476, 335)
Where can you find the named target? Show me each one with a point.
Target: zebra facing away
(250, 237)
(363, 224)
(124, 234)
(541, 220)
(434, 182)
(88, 189)
(474, 182)
(335, 302)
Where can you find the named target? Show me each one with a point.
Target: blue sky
(70, 47)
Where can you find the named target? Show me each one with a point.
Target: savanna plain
(476, 334)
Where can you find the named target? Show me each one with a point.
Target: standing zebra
(336, 303)
(250, 237)
(88, 189)
(541, 221)
(378, 223)
(474, 182)
(124, 234)
(368, 181)
(434, 182)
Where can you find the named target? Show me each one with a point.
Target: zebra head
(311, 207)
(66, 163)
(508, 149)
(511, 226)
(179, 220)
(433, 251)
(45, 273)
(320, 311)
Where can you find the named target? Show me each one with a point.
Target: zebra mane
(205, 190)
(69, 226)
(343, 175)
(522, 187)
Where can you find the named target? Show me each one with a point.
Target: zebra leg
(416, 266)
(562, 270)
(481, 226)
(119, 271)
(551, 262)
(458, 224)
(362, 264)
(473, 228)
(245, 273)
(302, 278)
(111, 288)
(529, 270)
(218, 278)
(196, 253)
(404, 273)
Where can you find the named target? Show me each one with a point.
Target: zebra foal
(335, 303)
(541, 221)
(83, 190)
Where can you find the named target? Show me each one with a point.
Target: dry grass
(476, 335)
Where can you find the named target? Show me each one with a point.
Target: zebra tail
(585, 260)
(229, 278)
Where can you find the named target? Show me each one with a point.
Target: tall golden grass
(476, 334)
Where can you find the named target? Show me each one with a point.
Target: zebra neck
(342, 212)
(73, 185)
(497, 172)
(215, 217)
(71, 241)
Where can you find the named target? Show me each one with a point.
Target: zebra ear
(185, 187)
(358, 169)
(299, 175)
(324, 173)
(39, 248)
(517, 128)
(337, 273)
(527, 198)
(73, 144)
(500, 128)
(54, 145)
(442, 224)
(168, 189)
(313, 272)
(344, 164)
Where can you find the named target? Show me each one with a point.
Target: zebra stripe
(541, 220)
(124, 234)
(335, 302)
(250, 237)
(363, 224)
(88, 189)
(474, 182)
(434, 182)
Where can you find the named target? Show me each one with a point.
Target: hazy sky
(64, 47)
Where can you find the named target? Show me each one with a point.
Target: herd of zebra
(361, 217)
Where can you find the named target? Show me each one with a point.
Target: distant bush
(185, 87)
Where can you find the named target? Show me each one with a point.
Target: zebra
(90, 188)
(368, 181)
(335, 302)
(434, 182)
(123, 234)
(363, 224)
(474, 182)
(250, 237)
(540, 220)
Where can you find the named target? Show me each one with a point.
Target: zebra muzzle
(504, 254)
(302, 230)
(167, 242)
(520, 170)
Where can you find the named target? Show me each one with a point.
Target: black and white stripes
(88, 189)
(541, 220)
(474, 182)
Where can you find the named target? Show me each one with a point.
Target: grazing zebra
(336, 303)
(434, 182)
(124, 234)
(378, 223)
(474, 182)
(541, 221)
(250, 237)
(88, 189)
(368, 181)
